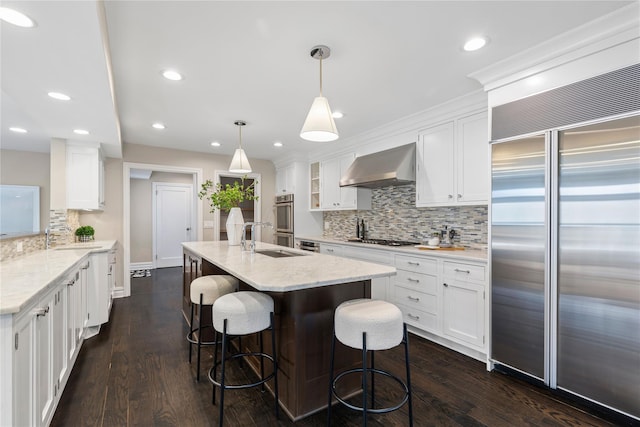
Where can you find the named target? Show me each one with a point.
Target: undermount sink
(75, 248)
(278, 253)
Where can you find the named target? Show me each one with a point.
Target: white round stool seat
(381, 320)
(212, 288)
(246, 312)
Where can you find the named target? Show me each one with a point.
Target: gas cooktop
(385, 242)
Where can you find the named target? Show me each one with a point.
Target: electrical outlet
(18, 246)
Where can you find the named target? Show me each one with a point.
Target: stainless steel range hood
(396, 166)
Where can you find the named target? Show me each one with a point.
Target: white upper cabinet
(331, 195)
(85, 177)
(473, 160)
(452, 163)
(286, 180)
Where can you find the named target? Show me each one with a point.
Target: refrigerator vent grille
(617, 92)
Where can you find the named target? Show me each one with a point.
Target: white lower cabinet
(46, 339)
(415, 291)
(99, 289)
(444, 298)
(463, 303)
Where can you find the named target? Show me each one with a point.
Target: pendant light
(319, 125)
(239, 162)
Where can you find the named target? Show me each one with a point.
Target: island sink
(278, 253)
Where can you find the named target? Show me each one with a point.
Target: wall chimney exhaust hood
(396, 166)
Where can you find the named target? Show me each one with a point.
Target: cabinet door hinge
(16, 341)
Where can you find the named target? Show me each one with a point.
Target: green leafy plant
(227, 196)
(85, 230)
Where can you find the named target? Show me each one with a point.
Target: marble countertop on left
(23, 279)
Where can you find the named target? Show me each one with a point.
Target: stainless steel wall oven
(284, 220)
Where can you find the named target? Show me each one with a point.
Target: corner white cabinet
(331, 196)
(85, 177)
(453, 163)
(100, 287)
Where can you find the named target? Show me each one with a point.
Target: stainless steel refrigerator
(565, 260)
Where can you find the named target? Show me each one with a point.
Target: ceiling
(250, 61)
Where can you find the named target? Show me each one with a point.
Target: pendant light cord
(240, 131)
(321, 54)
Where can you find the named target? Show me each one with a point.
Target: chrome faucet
(252, 245)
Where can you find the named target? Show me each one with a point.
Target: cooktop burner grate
(386, 242)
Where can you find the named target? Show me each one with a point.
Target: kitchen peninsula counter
(306, 290)
(24, 278)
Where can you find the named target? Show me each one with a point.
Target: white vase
(234, 226)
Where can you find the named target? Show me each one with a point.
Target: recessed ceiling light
(215, 144)
(475, 43)
(60, 96)
(158, 126)
(18, 130)
(337, 115)
(16, 18)
(172, 75)
(277, 144)
(81, 131)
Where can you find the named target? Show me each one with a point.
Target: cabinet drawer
(417, 264)
(416, 300)
(420, 282)
(419, 318)
(464, 272)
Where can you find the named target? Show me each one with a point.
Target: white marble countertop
(265, 273)
(460, 255)
(24, 279)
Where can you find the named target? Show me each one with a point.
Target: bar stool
(243, 313)
(206, 290)
(367, 324)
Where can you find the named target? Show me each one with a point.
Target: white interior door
(172, 225)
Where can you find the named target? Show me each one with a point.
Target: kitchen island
(306, 288)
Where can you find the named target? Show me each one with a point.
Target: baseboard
(118, 293)
(475, 354)
(140, 266)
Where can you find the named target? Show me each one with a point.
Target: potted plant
(228, 199)
(85, 233)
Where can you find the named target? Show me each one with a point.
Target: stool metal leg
(190, 336)
(406, 353)
(199, 340)
(261, 362)
(333, 350)
(275, 364)
(364, 379)
(216, 335)
(373, 384)
(222, 386)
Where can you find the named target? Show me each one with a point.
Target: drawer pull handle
(411, 316)
(457, 270)
(413, 263)
(329, 250)
(42, 311)
(413, 280)
(416, 299)
(445, 285)
(71, 282)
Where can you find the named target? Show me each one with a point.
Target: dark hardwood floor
(135, 372)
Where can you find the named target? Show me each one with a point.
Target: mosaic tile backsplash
(394, 215)
(62, 224)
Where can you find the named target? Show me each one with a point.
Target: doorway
(172, 222)
(196, 178)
